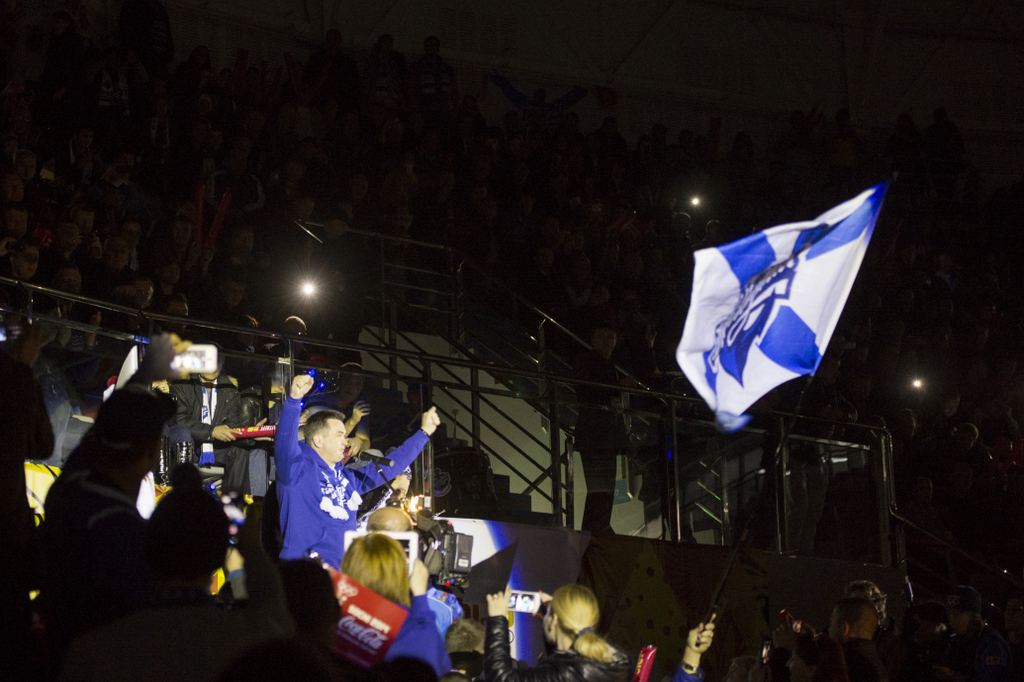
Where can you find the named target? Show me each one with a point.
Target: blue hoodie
(420, 639)
(319, 501)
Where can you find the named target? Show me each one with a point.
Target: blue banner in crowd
(764, 307)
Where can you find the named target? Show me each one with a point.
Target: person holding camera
(378, 563)
(581, 655)
(445, 606)
(319, 496)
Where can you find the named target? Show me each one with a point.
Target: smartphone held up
(524, 602)
(199, 358)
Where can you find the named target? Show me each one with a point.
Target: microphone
(375, 459)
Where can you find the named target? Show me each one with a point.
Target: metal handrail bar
(840, 444)
(703, 461)
(222, 327)
(325, 343)
(535, 483)
(409, 268)
(532, 360)
(383, 237)
(708, 512)
(1001, 572)
(413, 287)
(75, 298)
(945, 579)
(77, 326)
(951, 583)
(551, 355)
(729, 486)
(420, 306)
(428, 357)
(708, 491)
(137, 312)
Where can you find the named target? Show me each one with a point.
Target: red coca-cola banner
(369, 623)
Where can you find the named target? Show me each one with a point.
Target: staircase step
(514, 502)
(531, 518)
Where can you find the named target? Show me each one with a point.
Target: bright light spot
(308, 289)
(695, 201)
(917, 383)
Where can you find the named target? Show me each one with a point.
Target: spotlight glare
(917, 383)
(695, 201)
(308, 289)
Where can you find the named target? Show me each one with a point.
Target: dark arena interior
(529, 341)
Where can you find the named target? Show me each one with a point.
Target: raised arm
(697, 642)
(498, 663)
(286, 440)
(368, 478)
(512, 94)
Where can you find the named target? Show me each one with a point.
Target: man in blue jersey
(319, 497)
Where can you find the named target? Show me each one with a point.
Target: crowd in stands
(167, 183)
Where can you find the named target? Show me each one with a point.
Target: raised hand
(301, 385)
(360, 409)
(497, 603)
(156, 364)
(401, 485)
(430, 421)
(699, 638)
(419, 579)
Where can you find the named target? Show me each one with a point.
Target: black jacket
(561, 666)
(863, 663)
(228, 411)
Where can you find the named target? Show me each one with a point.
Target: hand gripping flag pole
(764, 308)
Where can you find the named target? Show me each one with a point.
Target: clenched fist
(301, 385)
(430, 421)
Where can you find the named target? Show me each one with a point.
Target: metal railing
(812, 501)
(664, 417)
(458, 307)
(947, 576)
(424, 364)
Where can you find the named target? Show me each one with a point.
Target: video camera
(446, 554)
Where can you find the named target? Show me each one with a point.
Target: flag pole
(741, 541)
(744, 260)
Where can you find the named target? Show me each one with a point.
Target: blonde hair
(379, 563)
(578, 612)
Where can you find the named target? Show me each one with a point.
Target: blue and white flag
(764, 307)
